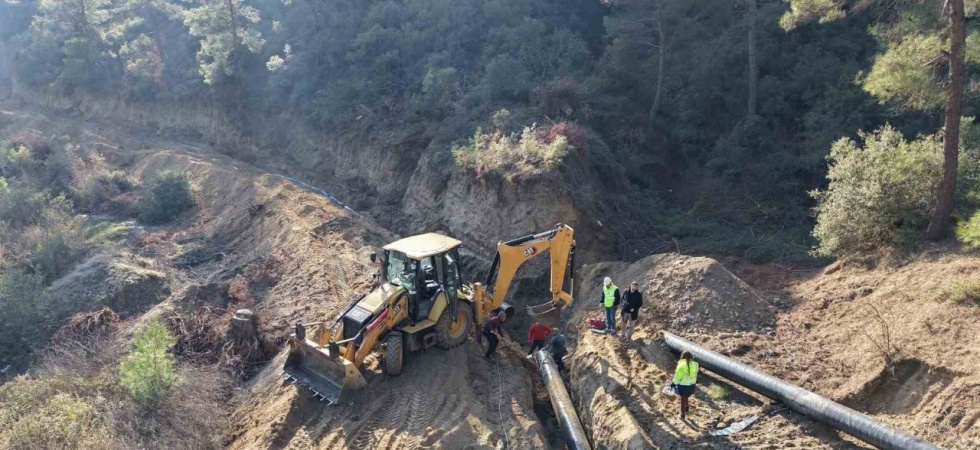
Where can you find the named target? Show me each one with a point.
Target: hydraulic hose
(801, 400)
(568, 421)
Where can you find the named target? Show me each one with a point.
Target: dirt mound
(689, 294)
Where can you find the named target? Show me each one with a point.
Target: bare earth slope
(290, 253)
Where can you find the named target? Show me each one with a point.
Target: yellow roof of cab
(423, 245)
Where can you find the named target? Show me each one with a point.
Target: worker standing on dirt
(536, 336)
(491, 331)
(557, 347)
(610, 299)
(685, 378)
(632, 301)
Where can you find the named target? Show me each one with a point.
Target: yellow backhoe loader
(421, 302)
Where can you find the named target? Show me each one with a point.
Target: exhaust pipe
(571, 427)
(801, 400)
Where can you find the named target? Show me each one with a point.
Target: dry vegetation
(512, 156)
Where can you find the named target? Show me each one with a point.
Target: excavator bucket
(545, 309)
(330, 377)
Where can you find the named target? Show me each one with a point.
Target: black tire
(394, 354)
(450, 334)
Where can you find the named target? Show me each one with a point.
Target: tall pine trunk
(753, 66)
(939, 222)
(661, 48)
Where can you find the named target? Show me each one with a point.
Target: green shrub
(16, 161)
(510, 155)
(879, 195)
(968, 232)
(55, 251)
(22, 207)
(21, 317)
(149, 370)
(506, 78)
(962, 292)
(168, 195)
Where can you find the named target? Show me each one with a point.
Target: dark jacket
(492, 325)
(616, 297)
(632, 300)
(558, 344)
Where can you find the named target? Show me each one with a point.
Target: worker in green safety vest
(685, 378)
(610, 300)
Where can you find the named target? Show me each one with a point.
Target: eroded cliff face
(406, 182)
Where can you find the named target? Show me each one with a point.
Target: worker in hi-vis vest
(685, 377)
(610, 300)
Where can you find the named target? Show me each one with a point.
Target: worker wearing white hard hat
(609, 300)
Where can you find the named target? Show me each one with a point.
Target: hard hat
(606, 281)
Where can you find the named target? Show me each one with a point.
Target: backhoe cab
(421, 302)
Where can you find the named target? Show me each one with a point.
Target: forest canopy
(722, 111)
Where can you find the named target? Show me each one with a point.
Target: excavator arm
(511, 255)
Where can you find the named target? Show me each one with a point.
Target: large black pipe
(802, 400)
(571, 427)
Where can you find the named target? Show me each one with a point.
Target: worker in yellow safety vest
(610, 300)
(685, 378)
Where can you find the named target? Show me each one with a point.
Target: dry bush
(94, 182)
(511, 155)
(560, 97)
(238, 290)
(97, 322)
(880, 336)
(198, 334)
(573, 134)
(33, 141)
(268, 271)
(207, 338)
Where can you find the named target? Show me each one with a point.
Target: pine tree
(227, 30)
(922, 67)
(149, 370)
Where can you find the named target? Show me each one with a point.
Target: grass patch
(965, 292)
(717, 392)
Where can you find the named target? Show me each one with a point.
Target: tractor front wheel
(452, 333)
(394, 354)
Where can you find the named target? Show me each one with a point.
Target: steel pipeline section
(571, 427)
(831, 413)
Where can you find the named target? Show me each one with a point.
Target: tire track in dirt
(400, 416)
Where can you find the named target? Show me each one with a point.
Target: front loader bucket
(331, 378)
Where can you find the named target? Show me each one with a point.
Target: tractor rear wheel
(393, 354)
(450, 333)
